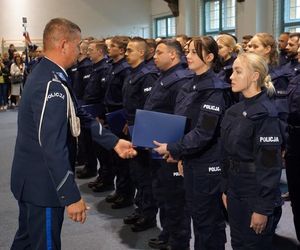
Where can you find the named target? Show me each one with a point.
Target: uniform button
(161, 83)
(62, 197)
(244, 113)
(194, 87)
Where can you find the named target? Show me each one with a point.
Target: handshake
(125, 149)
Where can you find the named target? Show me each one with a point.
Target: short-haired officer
(136, 89)
(167, 184)
(42, 177)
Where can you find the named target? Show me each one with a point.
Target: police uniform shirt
(283, 58)
(80, 74)
(164, 91)
(251, 135)
(226, 70)
(202, 102)
(95, 89)
(41, 171)
(119, 71)
(137, 87)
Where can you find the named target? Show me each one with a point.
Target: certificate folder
(161, 127)
(116, 120)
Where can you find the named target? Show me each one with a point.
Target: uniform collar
(60, 72)
(172, 69)
(138, 68)
(57, 65)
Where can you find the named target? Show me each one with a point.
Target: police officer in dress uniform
(203, 101)
(167, 183)
(252, 138)
(42, 177)
(136, 89)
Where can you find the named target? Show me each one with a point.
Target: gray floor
(103, 229)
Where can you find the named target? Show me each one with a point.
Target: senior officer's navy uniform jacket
(41, 172)
(252, 140)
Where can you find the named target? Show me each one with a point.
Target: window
(291, 19)
(165, 26)
(219, 15)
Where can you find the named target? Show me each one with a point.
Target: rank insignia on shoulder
(61, 76)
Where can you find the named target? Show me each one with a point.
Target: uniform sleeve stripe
(64, 180)
(100, 129)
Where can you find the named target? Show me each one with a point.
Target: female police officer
(202, 101)
(251, 138)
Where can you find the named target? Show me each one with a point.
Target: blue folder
(161, 127)
(116, 120)
(95, 110)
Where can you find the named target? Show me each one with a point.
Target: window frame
(216, 32)
(166, 18)
(289, 24)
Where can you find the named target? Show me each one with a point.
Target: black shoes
(112, 197)
(85, 173)
(143, 224)
(131, 219)
(102, 187)
(121, 202)
(95, 182)
(157, 243)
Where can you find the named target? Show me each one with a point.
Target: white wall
(98, 18)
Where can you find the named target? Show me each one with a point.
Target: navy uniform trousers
(32, 221)
(168, 191)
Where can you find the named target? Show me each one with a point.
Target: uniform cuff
(68, 193)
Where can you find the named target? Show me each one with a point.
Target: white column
(187, 18)
(254, 16)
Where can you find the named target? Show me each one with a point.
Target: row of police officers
(229, 159)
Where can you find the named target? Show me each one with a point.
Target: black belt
(242, 166)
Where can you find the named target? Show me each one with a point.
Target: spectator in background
(11, 51)
(3, 85)
(17, 73)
